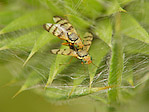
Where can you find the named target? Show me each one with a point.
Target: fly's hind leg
(68, 62)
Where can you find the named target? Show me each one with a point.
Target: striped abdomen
(64, 52)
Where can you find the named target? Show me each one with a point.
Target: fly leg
(68, 62)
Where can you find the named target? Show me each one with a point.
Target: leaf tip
(47, 84)
(72, 90)
(17, 93)
(29, 57)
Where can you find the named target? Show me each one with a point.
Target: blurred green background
(28, 101)
(21, 25)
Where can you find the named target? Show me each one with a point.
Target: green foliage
(120, 48)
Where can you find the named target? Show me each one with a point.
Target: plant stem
(116, 65)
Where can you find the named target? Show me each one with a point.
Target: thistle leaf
(29, 19)
(98, 51)
(104, 30)
(131, 28)
(44, 38)
(56, 67)
(24, 42)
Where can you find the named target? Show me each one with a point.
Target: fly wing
(88, 37)
(69, 30)
(64, 23)
(68, 52)
(55, 30)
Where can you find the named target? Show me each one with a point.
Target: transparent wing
(55, 30)
(69, 31)
(87, 40)
(64, 23)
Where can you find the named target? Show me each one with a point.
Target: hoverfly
(81, 54)
(65, 31)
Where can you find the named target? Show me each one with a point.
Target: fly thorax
(72, 36)
(82, 53)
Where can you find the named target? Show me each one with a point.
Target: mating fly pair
(65, 31)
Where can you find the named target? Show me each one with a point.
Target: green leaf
(24, 42)
(57, 66)
(77, 80)
(75, 20)
(79, 71)
(87, 8)
(98, 51)
(58, 93)
(33, 79)
(55, 7)
(131, 28)
(104, 30)
(133, 46)
(30, 19)
(141, 15)
(8, 16)
(111, 6)
(44, 38)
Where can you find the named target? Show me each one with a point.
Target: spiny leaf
(131, 28)
(33, 79)
(56, 67)
(70, 7)
(87, 8)
(141, 15)
(29, 19)
(8, 16)
(75, 20)
(112, 6)
(44, 38)
(76, 81)
(98, 51)
(56, 8)
(104, 30)
(134, 46)
(23, 42)
(62, 93)
(79, 74)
